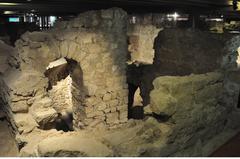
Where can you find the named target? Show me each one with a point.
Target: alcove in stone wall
(97, 41)
(62, 74)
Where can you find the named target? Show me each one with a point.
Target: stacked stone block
(97, 40)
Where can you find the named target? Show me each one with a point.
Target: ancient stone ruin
(74, 90)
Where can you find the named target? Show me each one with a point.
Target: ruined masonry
(99, 89)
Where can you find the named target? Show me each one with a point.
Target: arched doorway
(65, 80)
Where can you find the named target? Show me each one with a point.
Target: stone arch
(92, 41)
(66, 89)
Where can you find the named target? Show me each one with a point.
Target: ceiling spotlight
(9, 12)
(8, 4)
(174, 16)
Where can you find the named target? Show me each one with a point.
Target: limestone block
(141, 38)
(56, 63)
(24, 122)
(94, 114)
(123, 115)
(122, 93)
(92, 89)
(113, 103)
(122, 108)
(112, 118)
(28, 83)
(42, 103)
(107, 97)
(99, 113)
(101, 106)
(19, 107)
(75, 145)
(89, 110)
(92, 101)
(45, 116)
(107, 110)
(113, 109)
(167, 96)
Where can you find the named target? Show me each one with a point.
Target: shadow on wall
(179, 52)
(65, 94)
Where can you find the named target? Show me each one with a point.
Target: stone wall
(61, 94)
(180, 52)
(188, 112)
(97, 40)
(199, 107)
(141, 43)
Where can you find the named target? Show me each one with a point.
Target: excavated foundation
(99, 85)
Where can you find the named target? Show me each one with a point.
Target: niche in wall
(62, 75)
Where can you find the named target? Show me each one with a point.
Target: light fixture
(8, 4)
(174, 16)
(52, 20)
(9, 12)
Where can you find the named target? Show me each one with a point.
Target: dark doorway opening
(62, 70)
(135, 110)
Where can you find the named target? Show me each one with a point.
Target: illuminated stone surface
(193, 114)
(141, 39)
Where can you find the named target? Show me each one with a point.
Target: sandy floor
(8, 147)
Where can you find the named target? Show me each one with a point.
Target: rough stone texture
(25, 122)
(231, 60)
(61, 96)
(141, 43)
(96, 40)
(199, 106)
(70, 145)
(180, 52)
(8, 147)
(7, 58)
(199, 91)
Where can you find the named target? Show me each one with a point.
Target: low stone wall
(180, 52)
(200, 108)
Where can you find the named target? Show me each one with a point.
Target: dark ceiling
(76, 6)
